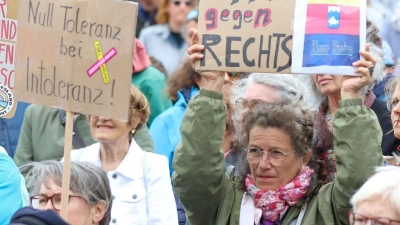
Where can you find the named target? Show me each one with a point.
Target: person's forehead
(260, 91)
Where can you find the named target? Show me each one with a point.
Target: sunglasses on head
(178, 3)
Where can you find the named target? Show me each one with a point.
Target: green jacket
(152, 83)
(42, 135)
(209, 197)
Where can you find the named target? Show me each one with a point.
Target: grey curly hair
(288, 89)
(293, 119)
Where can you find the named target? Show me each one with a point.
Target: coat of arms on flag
(329, 35)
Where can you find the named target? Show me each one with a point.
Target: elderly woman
(165, 40)
(393, 90)
(278, 185)
(378, 203)
(326, 89)
(140, 182)
(89, 194)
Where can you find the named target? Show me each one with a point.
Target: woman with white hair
(378, 200)
(326, 95)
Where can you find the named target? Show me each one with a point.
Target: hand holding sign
(351, 85)
(214, 80)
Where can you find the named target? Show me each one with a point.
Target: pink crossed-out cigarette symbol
(109, 55)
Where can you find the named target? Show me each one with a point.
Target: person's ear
(98, 211)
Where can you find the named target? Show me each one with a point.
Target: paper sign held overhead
(60, 41)
(328, 35)
(246, 35)
(8, 41)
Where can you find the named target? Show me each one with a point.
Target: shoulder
(154, 29)
(87, 154)
(156, 75)
(155, 161)
(40, 111)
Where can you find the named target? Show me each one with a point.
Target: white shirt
(134, 203)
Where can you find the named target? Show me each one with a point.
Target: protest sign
(8, 39)
(328, 35)
(76, 55)
(246, 35)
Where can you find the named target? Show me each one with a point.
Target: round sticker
(6, 100)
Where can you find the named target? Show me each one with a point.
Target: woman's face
(395, 114)
(376, 207)
(328, 84)
(178, 10)
(109, 130)
(79, 211)
(265, 175)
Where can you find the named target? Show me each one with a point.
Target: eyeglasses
(391, 103)
(241, 104)
(187, 3)
(275, 156)
(358, 219)
(40, 201)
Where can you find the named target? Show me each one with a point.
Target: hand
(351, 85)
(214, 80)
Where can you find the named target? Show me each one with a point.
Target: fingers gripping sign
(351, 85)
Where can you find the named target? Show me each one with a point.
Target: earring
(133, 130)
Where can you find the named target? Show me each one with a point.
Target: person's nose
(396, 109)
(49, 205)
(264, 162)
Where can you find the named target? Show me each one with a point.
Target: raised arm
(357, 139)
(199, 178)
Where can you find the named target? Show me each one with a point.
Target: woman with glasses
(378, 200)
(89, 196)
(279, 181)
(326, 90)
(165, 41)
(393, 90)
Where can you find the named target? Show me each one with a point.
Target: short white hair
(384, 184)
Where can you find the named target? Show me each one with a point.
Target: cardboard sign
(246, 35)
(76, 55)
(328, 35)
(8, 40)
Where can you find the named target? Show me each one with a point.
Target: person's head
(89, 193)
(111, 130)
(185, 77)
(323, 85)
(378, 197)
(393, 92)
(191, 22)
(283, 133)
(174, 11)
(269, 88)
(150, 5)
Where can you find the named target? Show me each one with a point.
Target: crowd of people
(217, 147)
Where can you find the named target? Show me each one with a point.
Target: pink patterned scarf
(272, 203)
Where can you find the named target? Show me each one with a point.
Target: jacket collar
(131, 165)
(181, 99)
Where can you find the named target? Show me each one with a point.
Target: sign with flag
(328, 35)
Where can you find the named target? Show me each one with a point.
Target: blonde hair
(163, 13)
(139, 110)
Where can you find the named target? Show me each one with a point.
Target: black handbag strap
(77, 140)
